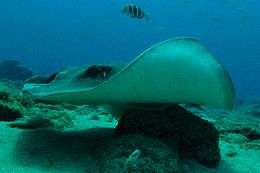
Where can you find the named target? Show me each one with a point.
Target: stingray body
(179, 70)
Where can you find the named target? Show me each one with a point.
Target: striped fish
(134, 11)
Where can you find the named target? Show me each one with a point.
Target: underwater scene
(132, 86)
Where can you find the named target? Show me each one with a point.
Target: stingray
(176, 71)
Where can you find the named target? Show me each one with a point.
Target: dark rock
(13, 70)
(9, 114)
(195, 138)
(139, 154)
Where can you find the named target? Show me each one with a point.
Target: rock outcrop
(8, 113)
(194, 137)
(10, 109)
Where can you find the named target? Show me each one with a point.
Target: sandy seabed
(73, 149)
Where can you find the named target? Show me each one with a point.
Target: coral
(25, 100)
(11, 94)
(139, 154)
(8, 113)
(5, 90)
(13, 70)
(10, 109)
(32, 123)
(194, 137)
(26, 114)
(44, 118)
(33, 114)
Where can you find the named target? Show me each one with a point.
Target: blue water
(47, 35)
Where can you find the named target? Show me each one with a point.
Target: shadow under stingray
(77, 151)
(53, 149)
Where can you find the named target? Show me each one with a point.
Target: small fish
(134, 11)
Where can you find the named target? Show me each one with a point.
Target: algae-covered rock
(44, 117)
(139, 154)
(5, 91)
(194, 137)
(9, 113)
(26, 114)
(32, 123)
(10, 109)
(10, 93)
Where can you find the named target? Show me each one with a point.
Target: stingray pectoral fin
(179, 70)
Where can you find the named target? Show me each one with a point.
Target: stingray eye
(51, 78)
(96, 72)
(90, 72)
